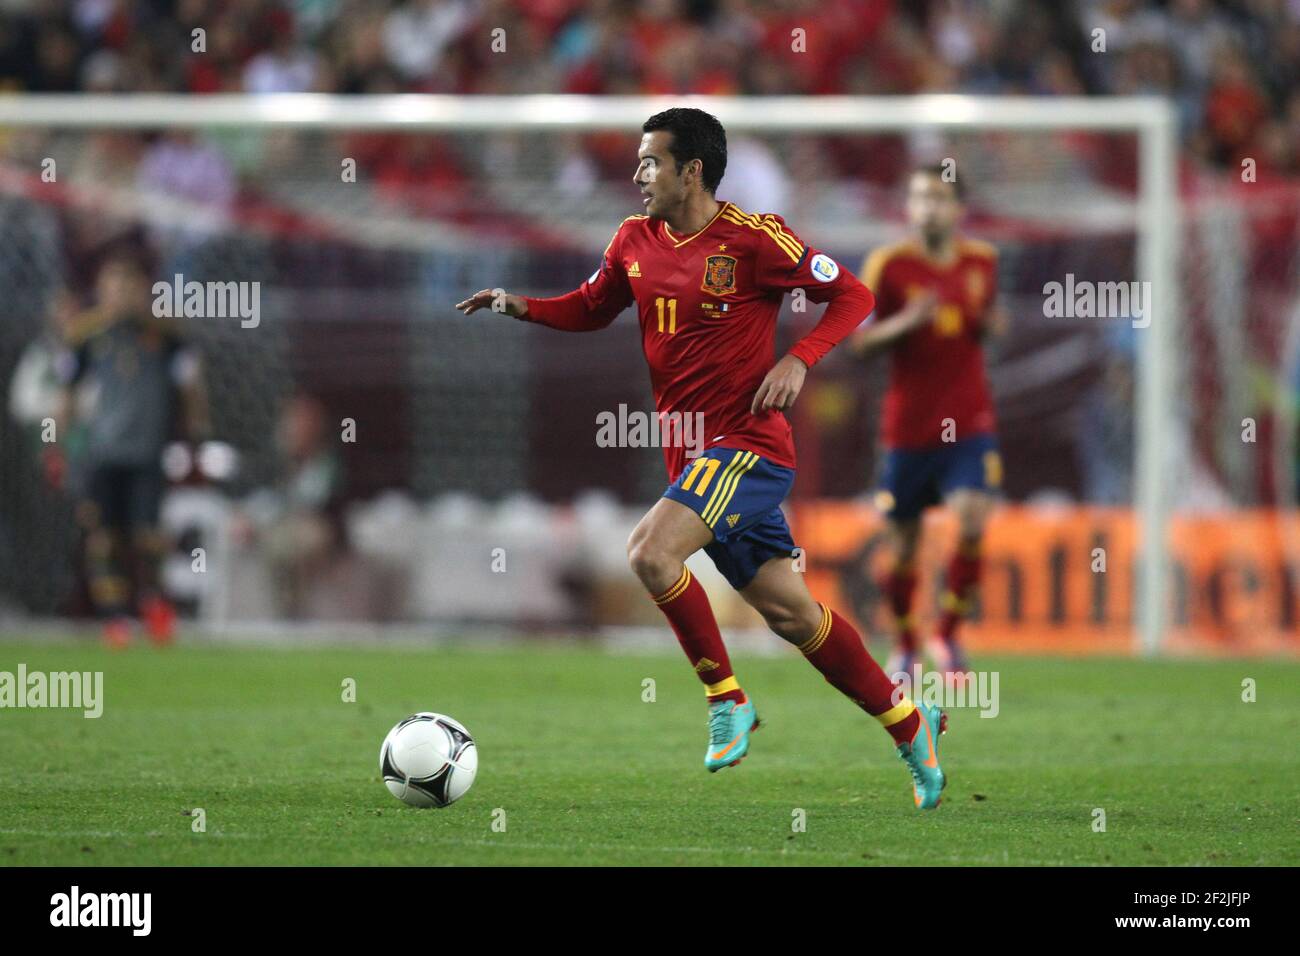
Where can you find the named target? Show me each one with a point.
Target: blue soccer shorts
(916, 478)
(739, 495)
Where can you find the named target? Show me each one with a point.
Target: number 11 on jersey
(672, 314)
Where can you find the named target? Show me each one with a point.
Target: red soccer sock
(900, 586)
(962, 580)
(688, 611)
(836, 649)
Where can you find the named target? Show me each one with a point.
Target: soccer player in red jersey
(935, 304)
(708, 280)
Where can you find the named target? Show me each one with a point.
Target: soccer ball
(428, 760)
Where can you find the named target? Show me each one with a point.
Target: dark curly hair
(696, 135)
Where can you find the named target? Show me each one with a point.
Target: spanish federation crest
(719, 275)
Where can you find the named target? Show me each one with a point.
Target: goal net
(1146, 388)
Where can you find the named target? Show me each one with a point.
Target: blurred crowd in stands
(1233, 66)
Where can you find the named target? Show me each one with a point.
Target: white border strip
(417, 111)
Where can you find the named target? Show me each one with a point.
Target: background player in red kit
(708, 280)
(935, 295)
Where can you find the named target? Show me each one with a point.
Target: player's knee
(651, 562)
(790, 621)
(637, 548)
(970, 520)
(785, 626)
(906, 536)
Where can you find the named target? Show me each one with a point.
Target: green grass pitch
(582, 771)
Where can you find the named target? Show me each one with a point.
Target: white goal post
(1151, 120)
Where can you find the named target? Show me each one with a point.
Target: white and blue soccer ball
(428, 760)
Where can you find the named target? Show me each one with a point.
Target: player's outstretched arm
(498, 300)
(886, 332)
(591, 306)
(585, 309)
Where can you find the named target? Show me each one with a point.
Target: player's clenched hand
(922, 309)
(781, 386)
(498, 300)
(884, 333)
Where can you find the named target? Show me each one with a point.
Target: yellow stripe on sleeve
(873, 267)
(784, 239)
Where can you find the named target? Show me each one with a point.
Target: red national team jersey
(937, 371)
(708, 307)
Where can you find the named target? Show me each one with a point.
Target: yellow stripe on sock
(110, 589)
(722, 687)
(676, 590)
(896, 713)
(814, 643)
(949, 601)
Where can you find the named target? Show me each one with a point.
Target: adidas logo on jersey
(634, 270)
(731, 520)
